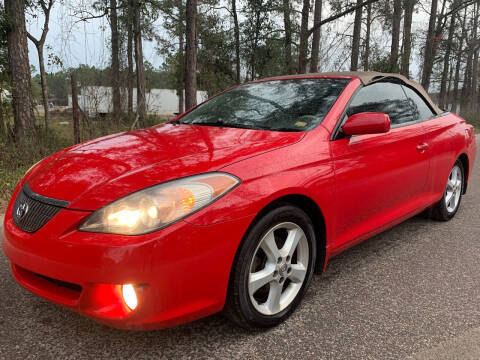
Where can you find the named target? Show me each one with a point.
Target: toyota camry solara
(235, 204)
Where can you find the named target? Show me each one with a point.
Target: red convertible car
(236, 203)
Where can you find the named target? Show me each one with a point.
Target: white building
(95, 100)
(5, 96)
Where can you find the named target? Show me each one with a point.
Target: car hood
(93, 174)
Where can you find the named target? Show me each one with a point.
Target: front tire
(272, 269)
(448, 205)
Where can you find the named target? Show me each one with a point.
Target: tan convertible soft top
(368, 77)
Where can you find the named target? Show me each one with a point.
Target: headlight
(158, 206)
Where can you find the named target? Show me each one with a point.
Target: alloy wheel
(453, 190)
(278, 268)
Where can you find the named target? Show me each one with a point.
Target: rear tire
(448, 205)
(273, 268)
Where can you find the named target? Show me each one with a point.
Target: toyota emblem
(22, 210)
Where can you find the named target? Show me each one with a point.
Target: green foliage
(58, 85)
(16, 158)
(262, 44)
(36, 89)
(169, 46)
(215, 55)
(381, 64)
(155, 78)
(4, 25)
(5, 105)
(473, 119)
(90, 75)
(173, 67)
(262, 36)
(269, 58)
(215, 47)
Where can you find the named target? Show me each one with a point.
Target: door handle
(422, 147)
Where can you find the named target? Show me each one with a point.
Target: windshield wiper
(206, 123)
(285, 129)
(210, 123)
(236, 126)
(222, 124)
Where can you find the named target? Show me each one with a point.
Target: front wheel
(273, 268)
(448, 205)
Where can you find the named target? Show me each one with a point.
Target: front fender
(304, 168)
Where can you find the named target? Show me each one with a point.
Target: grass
(17, 158)
(474, 120)
(476, 125)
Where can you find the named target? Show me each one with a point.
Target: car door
(441, 142)
(379, 178)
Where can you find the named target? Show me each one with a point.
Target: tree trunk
(3, 128)
(181, 101)
(397, 17)
(236, 32)
(141, 101)
(75, 110)
(43, 82)
(446, 62)
(287, 24)
(191, 55)
(130, 76)
(429, 45)
(366, 55)
(303, 49)
(24, 120)
(449, 87)
(39, 43)
(115, 62)
(180, 82)
(317, 17)
(357, 29)
(474, 90)
(339, 15)
(409, 6)
(466, 89)
(455, 83)
(458, 63)
(255, 44)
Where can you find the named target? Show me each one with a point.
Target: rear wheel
(273, 268)
(448, 206)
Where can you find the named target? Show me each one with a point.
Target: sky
(87, 42)
(78, 42)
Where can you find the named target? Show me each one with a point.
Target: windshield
(281, 105)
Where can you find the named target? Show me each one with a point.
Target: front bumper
(181, 272)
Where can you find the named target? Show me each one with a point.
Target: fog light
(129, 296)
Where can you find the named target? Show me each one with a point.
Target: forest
(210, 45)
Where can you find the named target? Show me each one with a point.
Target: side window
(383, 97)
(420, 110)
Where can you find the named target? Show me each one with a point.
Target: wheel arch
(465, 162)
(311, 208)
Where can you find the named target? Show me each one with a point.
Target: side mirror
(366, 123)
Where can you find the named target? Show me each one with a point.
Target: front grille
(31, 211)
